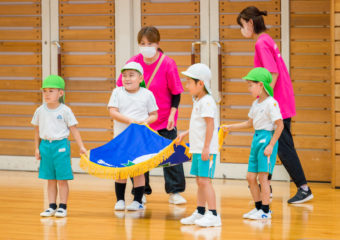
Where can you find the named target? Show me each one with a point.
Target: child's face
(247, 28)
(194, 88)
(255, 88)
(131, 80)
(52, 95)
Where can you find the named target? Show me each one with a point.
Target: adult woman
(267, 55)
(162, 79)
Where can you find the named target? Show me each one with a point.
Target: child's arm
(75, 132)
(36, 142)
(181, 136)
(208, 136)
(152, 118)
(116, 115)
(279, 127)
(236, 126)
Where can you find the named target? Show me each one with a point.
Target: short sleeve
(173, 79)
(251, 112)
(70, 118)
(113, 102)
(151, 104)
(35, 119)
(274, 111)
(265, 57)
(207, 109)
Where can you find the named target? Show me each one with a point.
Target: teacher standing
(162, 79)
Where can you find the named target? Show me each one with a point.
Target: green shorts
(202, 168)
(258, 162)
(55, 163)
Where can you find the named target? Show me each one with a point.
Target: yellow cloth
(221, 135)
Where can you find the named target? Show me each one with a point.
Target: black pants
(173, 176)
(289, 157)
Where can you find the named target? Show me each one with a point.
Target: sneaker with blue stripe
(135, 206)
(260, 214)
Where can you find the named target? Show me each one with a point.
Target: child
(267, 55)
(263, 115)
(131, 104)
(53, 122)
(203, 144)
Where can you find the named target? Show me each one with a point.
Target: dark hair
(197, 81)
(254, 14)
(151, 33)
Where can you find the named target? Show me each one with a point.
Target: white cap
(200, 71)
(133, 66)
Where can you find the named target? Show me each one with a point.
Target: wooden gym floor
(91, 215)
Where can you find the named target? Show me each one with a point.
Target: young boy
(53, 122)
(266, 118)
(203, 144)
(131, 104)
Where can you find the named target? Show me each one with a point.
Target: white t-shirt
(204, 107)
(265, 114)
(136, 105)
(54, 123)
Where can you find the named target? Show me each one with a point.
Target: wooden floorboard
(91, 215)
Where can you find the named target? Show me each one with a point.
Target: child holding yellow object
(265, 117)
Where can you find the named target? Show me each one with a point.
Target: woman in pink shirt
(167, 88)
(267, 55)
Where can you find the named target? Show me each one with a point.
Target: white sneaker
(260, 214)
(61, 212)
(251, 212)
(192, 218)
(144, 199)
(134, 206)
(120, 205)
(209, 220)
(49, 212)
(176, 198)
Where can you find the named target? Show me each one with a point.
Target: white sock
(305, 187)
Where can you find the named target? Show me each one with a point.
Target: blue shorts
(202, 168)
(258, 162)
(55, 163)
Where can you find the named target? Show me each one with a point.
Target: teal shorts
(55, 163)
(258, 162)
(202, 168)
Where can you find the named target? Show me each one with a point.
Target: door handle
(59, 56)
(193, 50)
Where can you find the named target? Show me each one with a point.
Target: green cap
(261, 75)
(53, 81)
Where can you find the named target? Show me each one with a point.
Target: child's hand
(205, 154)
(179, 138)
(225, 128)
(83, 150)
(37, 154)
(268, 150)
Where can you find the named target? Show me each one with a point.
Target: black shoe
(301, 196)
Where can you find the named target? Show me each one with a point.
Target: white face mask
(147, 52)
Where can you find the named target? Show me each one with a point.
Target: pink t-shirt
(267, 55)
(165, 84)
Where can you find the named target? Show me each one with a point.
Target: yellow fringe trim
(130, 171)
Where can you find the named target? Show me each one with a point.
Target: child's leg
(200, 198)
(208, 192)
(52, 193)
(254, 187)
(265, 191)
(63, 192)
(120, 186)
(139, 185)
